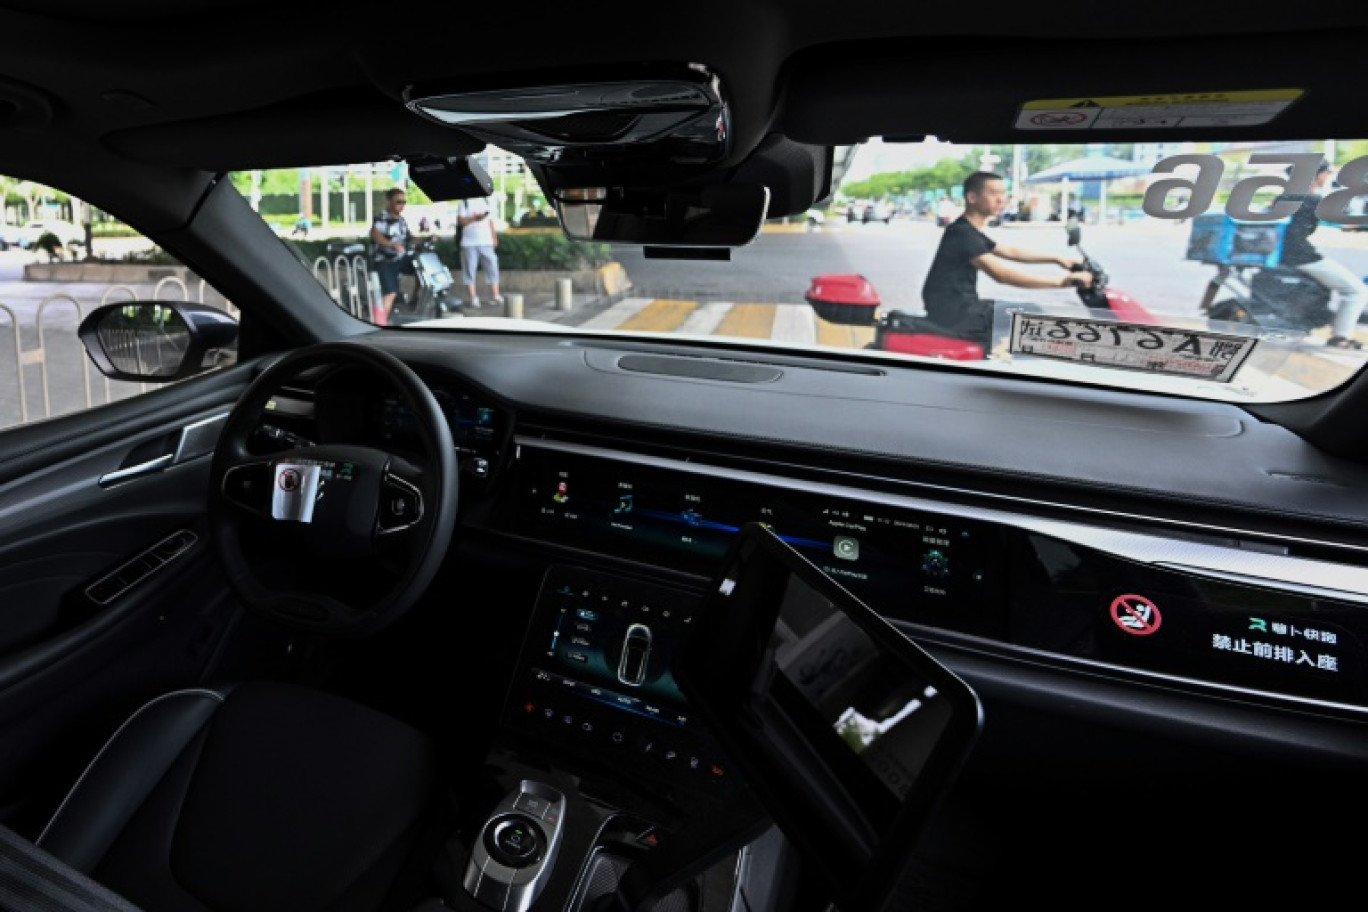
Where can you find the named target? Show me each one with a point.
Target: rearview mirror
(724, 215)
(1075, 233)
(158, 341)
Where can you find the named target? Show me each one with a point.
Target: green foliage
(1348, 151)
(550, 250)
(273, 181)
(949, 173)
(945, 174)
(152, 256)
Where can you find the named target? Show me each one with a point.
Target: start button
(515, 841)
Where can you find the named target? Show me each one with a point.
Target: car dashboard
(1148, 641)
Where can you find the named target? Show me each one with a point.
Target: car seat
(256, 797)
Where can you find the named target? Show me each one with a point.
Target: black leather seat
(253, 798)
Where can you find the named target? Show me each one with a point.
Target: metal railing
(348, 281)
(59, 357)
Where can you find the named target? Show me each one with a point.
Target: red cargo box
(844, 298)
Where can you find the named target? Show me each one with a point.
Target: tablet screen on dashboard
(845, 728)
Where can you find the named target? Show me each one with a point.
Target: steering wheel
(335, 538)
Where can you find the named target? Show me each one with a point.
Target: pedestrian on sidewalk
(479, 243)
(390, 239)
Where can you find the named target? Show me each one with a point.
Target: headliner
(232, 85)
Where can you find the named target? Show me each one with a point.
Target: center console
(604, 782)
(594, 687)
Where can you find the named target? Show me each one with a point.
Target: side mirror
(1075, 233)
(157, 341)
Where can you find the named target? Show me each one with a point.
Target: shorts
(389, 272)
(486, 260)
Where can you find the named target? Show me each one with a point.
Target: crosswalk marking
(663, 315)
(619, 313)
(792, 323)
(837, 335)
(705, 320)
(748, 321)
(796, 324)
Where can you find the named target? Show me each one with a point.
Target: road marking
(795, 323)
(705, 320)
(620, 312)
(837, 335)
(748, 321)
(791, 323)
(662, 315)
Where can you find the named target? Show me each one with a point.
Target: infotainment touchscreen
(595, 679)
(929, 568)
(844, 727)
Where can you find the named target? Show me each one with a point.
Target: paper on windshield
(1131, 346)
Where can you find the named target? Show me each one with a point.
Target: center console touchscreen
(595, 681)
(846, 730)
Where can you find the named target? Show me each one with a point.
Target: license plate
(1131, 346)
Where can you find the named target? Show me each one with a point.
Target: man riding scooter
(950, 292)
(1299, 252)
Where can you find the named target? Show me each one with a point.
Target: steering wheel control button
(401, 505)
(248, 486)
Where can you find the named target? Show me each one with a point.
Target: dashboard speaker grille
(701, 368)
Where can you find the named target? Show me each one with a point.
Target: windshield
(1220, 270)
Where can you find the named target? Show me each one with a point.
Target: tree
(32, 194)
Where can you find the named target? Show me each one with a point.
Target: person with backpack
(1298, 251)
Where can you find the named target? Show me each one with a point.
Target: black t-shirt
(951, 288)
(1297, 249)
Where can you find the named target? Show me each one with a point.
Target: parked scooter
(851, 300)
(430, 294)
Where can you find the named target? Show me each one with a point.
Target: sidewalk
(541, 306)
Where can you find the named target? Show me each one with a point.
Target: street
(1146, 260)
(697, 297)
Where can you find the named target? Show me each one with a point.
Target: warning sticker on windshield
(1131, 346)
(1192, 109)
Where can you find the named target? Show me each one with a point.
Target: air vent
(701, 368)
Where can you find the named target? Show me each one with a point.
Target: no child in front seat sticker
(1136, 614)
(1190, 109)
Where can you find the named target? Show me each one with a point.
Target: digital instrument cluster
(478, 429)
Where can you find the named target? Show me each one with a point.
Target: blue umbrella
(1092, 167)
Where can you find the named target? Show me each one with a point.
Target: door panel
(109, 591)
